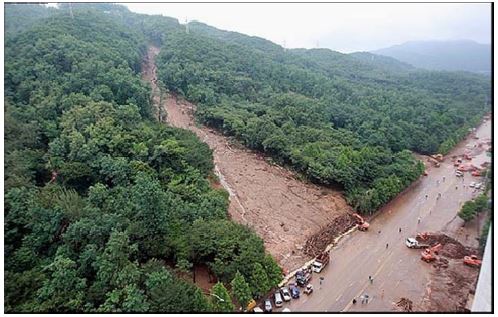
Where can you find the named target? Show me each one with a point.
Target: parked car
(286, 310)
(285, 294)
(309, 289)
(478, 185)
(278, 299)
(294, 291)
(472, 184)
(268, 306)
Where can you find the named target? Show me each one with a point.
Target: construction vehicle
(429, 254)
(362, 224)
(476, 173)
(414, 244)
(321, 261)
(434, 162)
(422, 235)
(438, 157)
(472, 260)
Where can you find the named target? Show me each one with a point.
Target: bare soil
(449, 287)
(283, 210)
(149, 74)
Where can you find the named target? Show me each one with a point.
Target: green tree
(259, 282)
(64, 291)
(241, 290)
(221, 300)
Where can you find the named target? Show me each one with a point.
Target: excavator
(362, 224)
(472, 260)
(429, 254)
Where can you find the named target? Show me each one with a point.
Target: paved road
(396, 270)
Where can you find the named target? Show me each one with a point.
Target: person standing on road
(366, 298)
(399, 229)
(418, 220)
(387, 245)
(382, 294)
(354, 301)
(426, 196)
(456, 187)
(444, 178)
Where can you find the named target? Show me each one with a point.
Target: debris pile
(451, 248)
(318, 242)
(405, 304)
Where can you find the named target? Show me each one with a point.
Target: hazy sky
(344, 27)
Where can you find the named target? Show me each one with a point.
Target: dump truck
(321, 261)
(362, 224)
(414, 244)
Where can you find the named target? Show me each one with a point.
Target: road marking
(338, 297)
(368, 283)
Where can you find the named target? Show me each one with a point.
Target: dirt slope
(149, 75)
(282, 210)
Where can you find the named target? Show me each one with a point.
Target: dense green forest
(105, 207)
(338, 119)
(98, 197)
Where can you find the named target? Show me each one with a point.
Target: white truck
(413, 243)
(321, 261)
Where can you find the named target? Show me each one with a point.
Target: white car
(285, 294)
(478, 185)
(473, 184)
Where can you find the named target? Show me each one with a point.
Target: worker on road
(387, 245)
(418, 220)
(444, 178)
(354, 301)
(426, 196)
(370, 279)
(399, 229)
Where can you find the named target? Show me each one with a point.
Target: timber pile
(317, 243)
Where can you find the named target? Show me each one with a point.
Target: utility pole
(186, 26)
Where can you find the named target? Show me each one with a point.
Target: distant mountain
(385, 62)
(463, 55)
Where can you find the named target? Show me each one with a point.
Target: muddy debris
(450, 287)
(405, 304)
(319, 241)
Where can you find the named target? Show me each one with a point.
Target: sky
(344, 27)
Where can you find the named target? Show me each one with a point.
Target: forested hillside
(463, 55)
(336, 118)
(98, 197)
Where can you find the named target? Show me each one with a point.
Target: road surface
(396, 270)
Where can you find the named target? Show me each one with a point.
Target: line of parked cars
(285, 294)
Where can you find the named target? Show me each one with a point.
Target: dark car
(295, 293)
(268, 306)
